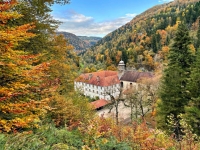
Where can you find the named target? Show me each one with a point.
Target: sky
(99, 17)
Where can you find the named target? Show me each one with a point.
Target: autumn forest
(39, 109)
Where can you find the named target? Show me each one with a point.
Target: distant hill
(90, 39)
(144, 42)
(80, 43)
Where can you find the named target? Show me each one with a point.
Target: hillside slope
(91, 40)
(80, 43)
(145, 40)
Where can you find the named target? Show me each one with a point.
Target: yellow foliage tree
(19, 92)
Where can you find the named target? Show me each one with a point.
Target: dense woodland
(40, 110)
(80, 43)
(144, 42)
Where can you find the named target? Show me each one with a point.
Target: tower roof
(121, 63)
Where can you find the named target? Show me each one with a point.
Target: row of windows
(98, 92)
(94, 86)
(122, 84)
(95, 92)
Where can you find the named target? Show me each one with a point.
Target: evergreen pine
(173, 91)
(193, 109)
(158, 41)
(198, 36)
(153, 44)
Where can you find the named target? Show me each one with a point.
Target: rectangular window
(122, 84)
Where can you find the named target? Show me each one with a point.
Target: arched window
(122, 84)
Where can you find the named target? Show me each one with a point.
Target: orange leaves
(164, 53)
(145, 137)
(11, 36)
(20, 103)
(6, 5)
(140, 136)
(98, 57)
(171, 30)
(139, 49)
(163, 35)
(22, 31)
(8, 93)
(96, 128)
(5, 16)
(28, 57)
(36, 73)
(148, 60)
(19, 116)
(17, 123)
(112, 67)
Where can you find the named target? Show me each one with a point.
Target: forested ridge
(144, 42)
(40, 110)
(80, 43)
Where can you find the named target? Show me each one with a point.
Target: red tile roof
(99, 103)
(100, 78)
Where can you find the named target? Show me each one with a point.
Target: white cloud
(80, 24)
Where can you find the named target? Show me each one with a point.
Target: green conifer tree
(173, 93)
(153, 44)
(198, 36)
(193, 109)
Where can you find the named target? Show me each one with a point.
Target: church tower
(121, 66)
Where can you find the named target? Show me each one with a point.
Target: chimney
(90, 76)
(98, 79)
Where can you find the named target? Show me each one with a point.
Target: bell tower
(121, 66)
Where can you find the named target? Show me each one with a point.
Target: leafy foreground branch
(99, 133)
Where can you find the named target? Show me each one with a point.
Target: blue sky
(99, 17)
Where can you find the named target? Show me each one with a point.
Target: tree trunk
(117, 112)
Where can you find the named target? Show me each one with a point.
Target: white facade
(101, 84)
(128, 84)
(104, 84)
(94, 91)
